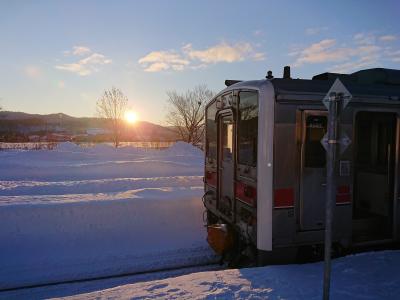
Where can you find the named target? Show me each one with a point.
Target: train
(265, 166)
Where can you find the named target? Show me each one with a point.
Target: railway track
(188, 268)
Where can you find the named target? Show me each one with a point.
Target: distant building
(56, 137)
(97, 131)
(34, 138)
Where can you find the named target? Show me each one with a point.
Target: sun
(130, 117)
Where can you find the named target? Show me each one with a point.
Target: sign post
(335, 101)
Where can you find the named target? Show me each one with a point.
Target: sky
(60, 56)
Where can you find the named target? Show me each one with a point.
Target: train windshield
(211, 131)
(248, 128)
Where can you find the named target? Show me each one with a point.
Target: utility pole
(336, 100)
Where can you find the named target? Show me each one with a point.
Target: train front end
(238, 169)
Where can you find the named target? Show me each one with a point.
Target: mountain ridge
(26, 123)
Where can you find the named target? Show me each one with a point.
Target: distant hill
(29, 124)
(15, 115)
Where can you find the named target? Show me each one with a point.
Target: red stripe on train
(284, 198)
(211, 178)
(343, 195)
(245, 193)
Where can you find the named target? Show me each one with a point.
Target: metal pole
(334, 102)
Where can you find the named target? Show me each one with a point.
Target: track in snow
(152, 275)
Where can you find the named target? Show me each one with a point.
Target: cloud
(364, 38)
(388, 38)
(77, 51)
(362, 62)
(393, 55)
(363, 50)
(323, 51)
(315, 30)
(87, 65)
(192, 58)
(222, 52)
(80, 50)
(157, 61)
(258, 56)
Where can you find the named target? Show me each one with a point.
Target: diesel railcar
(265, 166)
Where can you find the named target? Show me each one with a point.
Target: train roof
(377, 82)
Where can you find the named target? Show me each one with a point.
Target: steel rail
(121, 275)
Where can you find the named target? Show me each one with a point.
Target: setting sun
(130, 117)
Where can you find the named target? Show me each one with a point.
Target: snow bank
(69, 147)
(182, 148)
(74, 213)
(64, 241)
(361, 276)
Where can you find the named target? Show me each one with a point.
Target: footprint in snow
(157, 286)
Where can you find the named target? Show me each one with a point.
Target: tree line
(185, 112)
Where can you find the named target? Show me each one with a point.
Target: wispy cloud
(323, 51)
(363, 38)
(77, 51)
(388, 38)
(363, 50)
(188, 57)
(80, 50)
(87, 65)
(259, 56)
(315, 30)
(362, 61)
(394, 55)
(223, 52)
(157, 61)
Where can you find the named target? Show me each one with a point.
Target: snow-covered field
(74, 213)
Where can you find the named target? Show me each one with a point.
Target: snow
(74, 213)
(68, 147)
(67, 289)
(372, 275)
(361, 276)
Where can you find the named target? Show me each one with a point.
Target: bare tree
(112, 106)
(186, 113)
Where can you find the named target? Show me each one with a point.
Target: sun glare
(130, 117)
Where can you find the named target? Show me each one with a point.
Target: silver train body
(265, 168)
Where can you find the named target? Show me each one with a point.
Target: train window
(248, 128)
(374, 139)
(315, 156)
(384, 142)
(364, 141)
(211, 131)
(227, 138)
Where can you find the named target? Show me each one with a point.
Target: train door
(226, 164)
(313, 171)
(375, 142)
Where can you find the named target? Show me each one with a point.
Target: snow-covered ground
(74, 213)
(361, 276)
